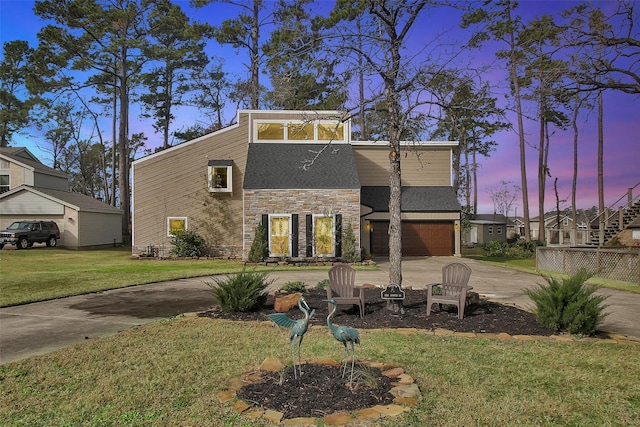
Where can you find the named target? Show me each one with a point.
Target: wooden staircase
(614, 221)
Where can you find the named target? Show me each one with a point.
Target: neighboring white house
(32, 190)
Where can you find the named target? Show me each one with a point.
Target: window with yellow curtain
(279, 235)
(176, 224)
(271, 131)
(323, 235)
(330, 131)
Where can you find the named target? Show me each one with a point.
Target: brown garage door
(421, 238)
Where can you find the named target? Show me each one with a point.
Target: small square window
(219, 176)
(490, 229)
(176, 224)
(499, 230)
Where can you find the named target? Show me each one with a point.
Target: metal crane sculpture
(345, 335)
(298, 329)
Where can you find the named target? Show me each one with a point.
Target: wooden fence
(615, 264)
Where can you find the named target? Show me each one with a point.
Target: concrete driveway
(39, 328)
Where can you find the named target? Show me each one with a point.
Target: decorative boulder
(283, 304)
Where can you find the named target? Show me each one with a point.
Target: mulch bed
(485, 317)
(321, 390)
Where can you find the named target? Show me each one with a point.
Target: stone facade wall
(300, 202)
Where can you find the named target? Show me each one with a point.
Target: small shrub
(259, 249)
(350, 252)
(569, 305)
(323, 284)
(294, 287)
(187, 243)
(245, 291)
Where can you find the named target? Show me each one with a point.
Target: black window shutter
(265, 225)
(294, 235)
(338, 235)
(309, 235)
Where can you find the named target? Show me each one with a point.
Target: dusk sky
(621, 111)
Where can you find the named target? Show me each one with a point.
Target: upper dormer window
(298, 130)
(220, 178)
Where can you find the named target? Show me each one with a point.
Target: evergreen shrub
(244, 292)
(188, 244)
(259, 250)
(569, 304)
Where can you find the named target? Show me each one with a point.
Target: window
(274, 130)
(490, 229)
(176, 224)
(330, 131)
(279, 235)
(4, 183)
(499, 230)
(565, 222)
(219, 175)
(300, 132)
(4, 164)
(271, 131)
(323, 242)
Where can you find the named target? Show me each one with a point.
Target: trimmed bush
(569, 305)
(245, 291)
(187, 244)
(350, 252)
(259, 249)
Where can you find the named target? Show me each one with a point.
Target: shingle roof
(14, 154)
(282, 166)
(81, 202)
(488, 219)
(413, 199)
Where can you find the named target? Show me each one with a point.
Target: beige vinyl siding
(26, 202)
(174, 184)
(18, 175)
(97, 229)
(420, 165)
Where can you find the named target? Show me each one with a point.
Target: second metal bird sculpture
(298, 329)
(345, 335)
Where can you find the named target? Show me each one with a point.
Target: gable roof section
(413, 199)
(488, 219)
(77, 201)
(282, 166)
(24, 158)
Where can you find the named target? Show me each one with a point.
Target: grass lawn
(168, 374)
(46, 273)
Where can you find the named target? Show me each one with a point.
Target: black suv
(24, 234)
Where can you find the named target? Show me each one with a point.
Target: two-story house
(31, 190)
(299, 175)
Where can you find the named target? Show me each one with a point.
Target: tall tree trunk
(114, 122)
(542, 170)
(601, 206)
(523, 164)
(574, 182)
(362, 119)
(123, 149)
(255, 56)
